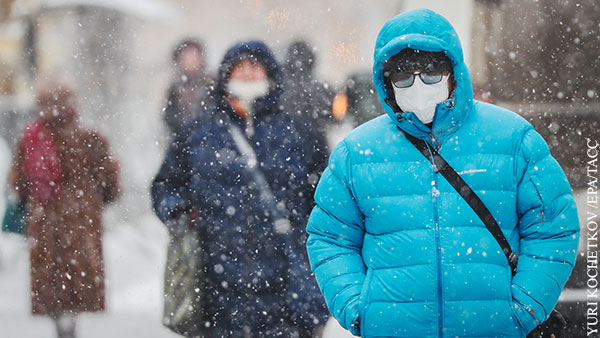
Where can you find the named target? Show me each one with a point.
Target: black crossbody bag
(556, 323)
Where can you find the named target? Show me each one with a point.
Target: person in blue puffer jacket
(257, 279)
(395, 249)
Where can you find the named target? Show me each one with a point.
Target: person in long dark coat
(257, 281)
(66, 175)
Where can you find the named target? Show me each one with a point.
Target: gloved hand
(184, 218)
(180, 221)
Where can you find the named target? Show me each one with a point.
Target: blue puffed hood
(425, 30)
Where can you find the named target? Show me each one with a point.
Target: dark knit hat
(411, 59)
(300, 58)
(187, 43)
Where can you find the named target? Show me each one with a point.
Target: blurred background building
(538, 58)
(118, 55)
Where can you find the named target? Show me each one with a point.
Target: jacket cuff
(355, 329)
(350, 319)
(168, 207)
(529, 313)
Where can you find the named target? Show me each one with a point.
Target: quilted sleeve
(548, 228)
(336, 231)
(169, 189)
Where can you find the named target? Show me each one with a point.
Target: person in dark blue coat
(258, 283)
(395, 249)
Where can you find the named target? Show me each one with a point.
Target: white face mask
(421, 99)
(248, 91)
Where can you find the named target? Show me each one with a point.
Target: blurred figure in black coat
(189, 92)
(309, 102)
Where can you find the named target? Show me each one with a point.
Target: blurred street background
(538, 58)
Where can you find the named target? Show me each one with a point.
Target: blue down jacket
(258, 282)
(392, 243)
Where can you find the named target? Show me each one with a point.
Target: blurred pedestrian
(188, 94)
(363, 103)
(257, 281)
(446, 217)
(5, 160)
(66, 175)
(309, 102)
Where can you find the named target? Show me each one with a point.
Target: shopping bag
(183, 298)
(14, 217)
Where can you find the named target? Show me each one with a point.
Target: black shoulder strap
(440, 165)
(267, 198)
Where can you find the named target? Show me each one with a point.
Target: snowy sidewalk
(134, 258)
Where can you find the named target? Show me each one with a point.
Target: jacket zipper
(435, 193)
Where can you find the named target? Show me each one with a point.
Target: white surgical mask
(248, 91)
(421, 99)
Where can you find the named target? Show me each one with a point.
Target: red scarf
(42, 165)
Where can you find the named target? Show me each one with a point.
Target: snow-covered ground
(134, 256)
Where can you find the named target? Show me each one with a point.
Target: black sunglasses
(406, 79)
